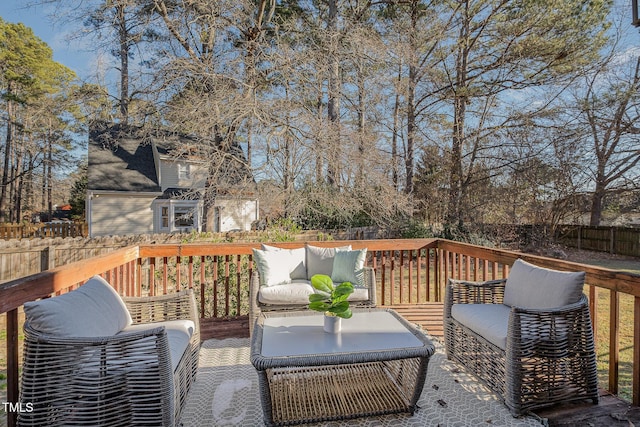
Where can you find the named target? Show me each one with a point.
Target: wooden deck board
(611, 411)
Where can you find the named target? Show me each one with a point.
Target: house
(142, 182)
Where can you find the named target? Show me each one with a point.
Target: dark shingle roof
(119, 160)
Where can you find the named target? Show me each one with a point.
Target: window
(183, 216)
(184, 171)
(164, 217)
(172, 216)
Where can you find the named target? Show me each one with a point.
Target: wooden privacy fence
(411, 271)
(33, 256)
(615, 240)
(44, 230)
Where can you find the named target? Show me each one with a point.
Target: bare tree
(498, 51)
(608, 105)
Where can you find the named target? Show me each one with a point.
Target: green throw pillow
(348, 266)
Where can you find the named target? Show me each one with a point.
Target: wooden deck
(610, 412)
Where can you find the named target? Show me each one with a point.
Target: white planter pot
(332, 324)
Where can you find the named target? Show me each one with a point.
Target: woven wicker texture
(256, 307)
(336, 386)
(364, 389)
(122, 380)
(227, 393)
(550, 356)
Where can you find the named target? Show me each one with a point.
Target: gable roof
(120, 160)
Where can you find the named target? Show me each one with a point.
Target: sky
(66, 51)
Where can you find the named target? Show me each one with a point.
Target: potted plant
(330, 300)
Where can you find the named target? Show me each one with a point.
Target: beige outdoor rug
(226, 394)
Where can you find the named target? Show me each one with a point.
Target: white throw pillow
(93, 310)
(348, 266)
(320, 260)
(273, 267)
(530, 286)
(297, 261)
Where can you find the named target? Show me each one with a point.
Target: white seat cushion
(530, 286)
(93, 310)
(491, 321)
(296, 292)
(359, 294)
(179, 332)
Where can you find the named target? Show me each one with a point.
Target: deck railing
(408, 271)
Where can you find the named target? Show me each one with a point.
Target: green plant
(330, 299)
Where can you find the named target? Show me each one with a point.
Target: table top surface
(367, 331)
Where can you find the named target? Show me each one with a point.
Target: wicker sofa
(281, 280)
(94, 358)
(528, 337)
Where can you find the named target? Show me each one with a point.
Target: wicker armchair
(536, 358)
(256, 307)
(132, 378)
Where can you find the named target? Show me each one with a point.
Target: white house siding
(169, 175)
(235, 214)
(121, 214)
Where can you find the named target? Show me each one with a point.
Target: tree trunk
(7, 154)
(18, 190)
(360, 172)
(123, 35)
(394, 139)
(333, 104)
(49, 165)
(409, 160)
(454, 215)
(597, 203)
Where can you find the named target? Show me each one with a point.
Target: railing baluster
(152, 276)
(178, 275)
(401, 274)
(418, 274)
(427, 265)
(384, 271)
(226, 285)
(202, 285)
(165, 271)
(138, 278)
(635, 393)
(215, 286)
(392, 282)
(614, 342)
(238, 280)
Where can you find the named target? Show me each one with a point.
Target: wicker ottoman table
(376, 365)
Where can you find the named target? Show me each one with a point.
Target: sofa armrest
(73, 379)
(370, 284)
(465, 292)
(556, 329)
(177, 306)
